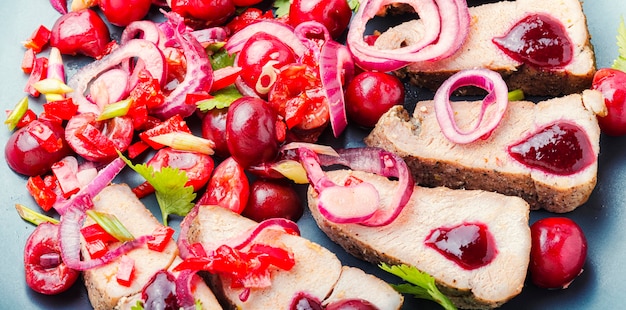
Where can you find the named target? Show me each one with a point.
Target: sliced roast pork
(102, 287)
(505, 218)
(316, 274)
(486, 163)
(494, 20)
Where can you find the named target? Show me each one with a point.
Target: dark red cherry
(539, 40)
(561, 148)
(470, 245)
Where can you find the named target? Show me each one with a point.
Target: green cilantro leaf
(420, 284)
(219, 57)
(282, 8)
(620, 62)
(221, 99)
(169, 185)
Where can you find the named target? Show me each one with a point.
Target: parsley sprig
(420, 284)
(170, 190)
(620, 61)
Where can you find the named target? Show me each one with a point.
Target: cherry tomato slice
(198, 167)
(44, 270)
(98, 140)
(228, 187)
(124, 12)
(612, 83)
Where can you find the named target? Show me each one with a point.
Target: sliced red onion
(143, 29)
(184, 292)
(198, 74)
(69, 231)
(310, 31)
(336, 66)
(50, 260)
(488, 80)
(83, 197)
(446, 25)
(211, 35)
(371, 160)
(280, 30)
(149, 53)
(281, 224)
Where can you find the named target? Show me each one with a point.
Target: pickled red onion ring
(488, 80)
(336, 66)
(371, 160)
(447, 26)
(277, 29)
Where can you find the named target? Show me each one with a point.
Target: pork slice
(486, 164)
(315, 273)
(103, 290)
(402, 241)
(494, 20)
(350, 286)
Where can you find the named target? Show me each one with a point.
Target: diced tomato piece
(248, 17)
(137, 148)
(96, 248)
(38, 39)
(147, 91)
(143, 190)
(60, 109)
(46, 138)
(276, 256)
(173, 124)
(28, 61)
(65, 172)
(96, 232)
(162, 236)
(38, 73)
(125, 270)
(44, 196)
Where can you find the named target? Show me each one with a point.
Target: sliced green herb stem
(33, 216)
(111, 224)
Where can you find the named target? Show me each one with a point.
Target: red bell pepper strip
(28, 117)
(125, 271)
(162, 236)
(38, 39)
(136, 149)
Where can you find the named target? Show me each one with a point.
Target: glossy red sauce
(539, 40)
(561, 148)
(469, 245)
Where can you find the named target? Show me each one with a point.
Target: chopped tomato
(96, 248)
(60, 109)
(65, 172)
(248, 17)
(39, 39)
(38, 73)
(228, 187)
(173, 124)
(28, 61)
(162, 237)
(44, 194)
(95, 232)
(125, 271)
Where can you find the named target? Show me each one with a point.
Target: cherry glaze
(539, 40)
(560, 148)
(469, 245)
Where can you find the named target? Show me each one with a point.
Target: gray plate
(601, 285)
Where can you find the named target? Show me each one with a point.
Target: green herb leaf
(516, 95)
(620, 62)
(221, 99)
(420, 284)
(137, 306)
(281, 8)
(170, 190)
(111, 224)
(33, 216)
(221, 59)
